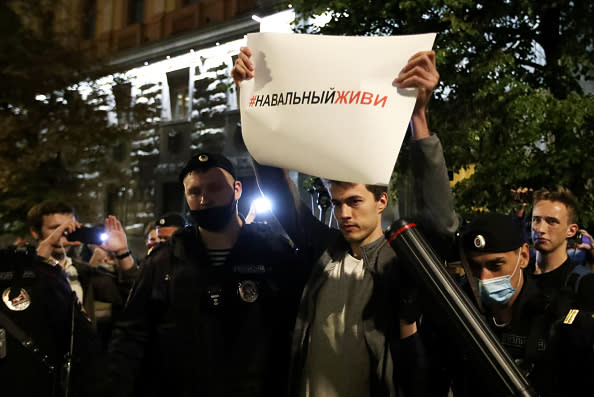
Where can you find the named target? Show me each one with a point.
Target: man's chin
(542, 247)
(351, 237)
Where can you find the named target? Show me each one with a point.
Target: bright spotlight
(262, 205)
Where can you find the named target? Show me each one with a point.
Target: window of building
(122, 92)
(179, 93)
(89, 19)
(172, 196)
(111, 199)
(233, 60)
(120, 151)
(135, 11)
(174, 142)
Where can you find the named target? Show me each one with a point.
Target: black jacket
(553, 352)
(194, 329)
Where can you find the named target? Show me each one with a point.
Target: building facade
(176, 56)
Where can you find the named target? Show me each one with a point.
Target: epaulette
(580, 319)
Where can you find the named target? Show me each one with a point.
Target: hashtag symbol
(252, 100)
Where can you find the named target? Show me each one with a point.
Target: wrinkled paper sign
(326, 105)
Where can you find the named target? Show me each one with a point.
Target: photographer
(51, 223)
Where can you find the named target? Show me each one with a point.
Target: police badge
(248, 291)
(19, 302)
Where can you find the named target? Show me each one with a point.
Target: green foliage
(58, 137)
(510, 98)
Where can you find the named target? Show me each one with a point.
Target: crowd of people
(218, 306)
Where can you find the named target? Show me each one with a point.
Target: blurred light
(256, 18)
(104, 237)
(145, 63)
(277, 23)
(168, 57)
(262, 205)
(40, 97)
(290, 5)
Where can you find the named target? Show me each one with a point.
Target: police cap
(204, 161)
(492, 232)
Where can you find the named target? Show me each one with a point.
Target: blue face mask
(498, 290)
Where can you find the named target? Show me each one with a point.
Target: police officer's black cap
(172, 219)
(492, 232)
(204, 161)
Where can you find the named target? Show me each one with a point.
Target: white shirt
(337, 362)
(73, 280)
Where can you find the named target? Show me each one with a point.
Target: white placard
(326, 105)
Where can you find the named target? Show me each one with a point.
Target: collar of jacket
(376, 256)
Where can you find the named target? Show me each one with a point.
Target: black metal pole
(69, 353)
(483, 346)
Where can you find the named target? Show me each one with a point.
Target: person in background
(151, 236)
(49, 222)
(554, 222)
(163, 228)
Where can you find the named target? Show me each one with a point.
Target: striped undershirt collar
(218, 256)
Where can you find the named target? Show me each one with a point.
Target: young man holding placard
(356, 332)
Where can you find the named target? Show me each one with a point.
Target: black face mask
(214, 219)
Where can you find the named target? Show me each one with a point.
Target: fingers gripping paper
(326, 105)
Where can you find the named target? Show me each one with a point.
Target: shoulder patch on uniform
(570, 317)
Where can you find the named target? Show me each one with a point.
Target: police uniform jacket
(202, 330)
(551, 349)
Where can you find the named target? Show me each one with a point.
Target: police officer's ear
(524, 255)
(237, 189)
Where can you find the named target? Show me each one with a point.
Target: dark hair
(377, 190)
(38, 211)
(561, 195)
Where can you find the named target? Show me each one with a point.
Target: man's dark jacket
(193, 329)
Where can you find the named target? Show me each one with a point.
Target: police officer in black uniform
(213, 309)
(551, 342)
(47, 344)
